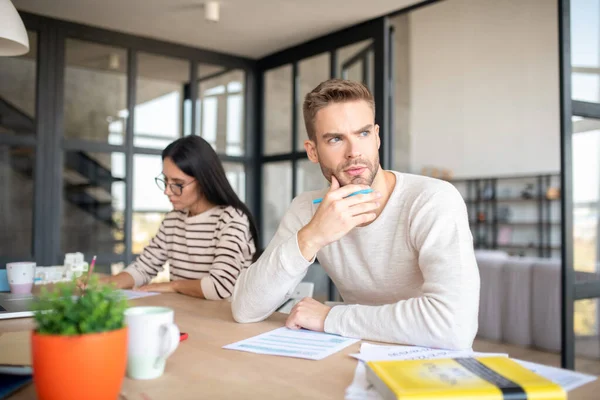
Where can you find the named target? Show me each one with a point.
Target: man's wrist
(307, 243)
(333, 315)
(326, 315)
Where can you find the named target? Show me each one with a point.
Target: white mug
(152, 338)
(20, 276)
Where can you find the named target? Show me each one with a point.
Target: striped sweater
(214, 247)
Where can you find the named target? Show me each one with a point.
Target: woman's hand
(83, 280)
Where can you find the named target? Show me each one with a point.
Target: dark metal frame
(360, 56)
(571, 289)
(129, 155)
(50, 144)
(193, 96)
(383, 88)
(138, 43)
(44, 116)
(391, 121)
(566, 184)
(585, 109)
(540, 211)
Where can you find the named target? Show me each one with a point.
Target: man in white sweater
(401, 257)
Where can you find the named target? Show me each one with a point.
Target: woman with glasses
(208, 238)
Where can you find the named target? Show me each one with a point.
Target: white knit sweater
(409, 277)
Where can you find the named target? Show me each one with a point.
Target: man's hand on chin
(308, 314)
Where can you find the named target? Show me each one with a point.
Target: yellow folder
(460, 378)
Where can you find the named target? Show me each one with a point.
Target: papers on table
(567, 379)
(371, 352)
(133, 294)
(293, 343)
(360, 388)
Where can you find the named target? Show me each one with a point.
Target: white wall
(484, 87)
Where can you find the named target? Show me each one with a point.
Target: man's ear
(311, 151)
(376, 130)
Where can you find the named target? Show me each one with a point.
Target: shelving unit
(518, 214)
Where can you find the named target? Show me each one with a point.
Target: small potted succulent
(79, 347)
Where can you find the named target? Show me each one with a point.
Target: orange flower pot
(90, 366)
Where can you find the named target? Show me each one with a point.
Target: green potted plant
(79, 347)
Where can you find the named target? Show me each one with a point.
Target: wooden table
(200, 368)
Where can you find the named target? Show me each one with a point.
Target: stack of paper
(360, 388)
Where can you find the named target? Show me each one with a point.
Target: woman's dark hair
(195, 157)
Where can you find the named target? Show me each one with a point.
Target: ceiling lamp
(211, 11)
(13, 36)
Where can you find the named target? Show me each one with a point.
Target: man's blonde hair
(329, 92)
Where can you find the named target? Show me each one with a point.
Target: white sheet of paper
(372, 352)
(293, 343)
(132, 294)
(360, 388)
(567, 379)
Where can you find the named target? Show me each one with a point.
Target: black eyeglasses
(176, 188)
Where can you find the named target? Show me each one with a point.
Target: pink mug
(20, 276)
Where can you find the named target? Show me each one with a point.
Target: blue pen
(364, 191)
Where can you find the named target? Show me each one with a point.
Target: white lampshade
(13, 36)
